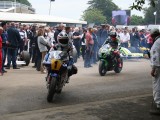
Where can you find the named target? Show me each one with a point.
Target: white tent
(18, 17)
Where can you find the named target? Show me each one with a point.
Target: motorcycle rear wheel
(102, 68)
(118, 69)
(51, 89)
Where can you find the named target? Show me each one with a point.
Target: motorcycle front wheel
(51, 89)
(102, 68)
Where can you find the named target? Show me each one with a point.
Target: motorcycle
(108, 60)
(58, 67)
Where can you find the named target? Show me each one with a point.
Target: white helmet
(63, 39)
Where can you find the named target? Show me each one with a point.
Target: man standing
(155, 63)
(89, 47)
(76, 40)
(134, 38)
(58, 30)
(13, 42)
(125, 39)
(102, 34)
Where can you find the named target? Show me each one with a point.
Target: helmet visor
(63, 41)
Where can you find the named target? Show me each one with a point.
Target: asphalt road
(25, 89)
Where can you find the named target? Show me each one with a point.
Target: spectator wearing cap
(4, 47)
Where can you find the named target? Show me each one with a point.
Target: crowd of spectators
(16, 37)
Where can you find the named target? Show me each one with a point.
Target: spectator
(76, 40)
(58, 30)
(142, 39)
(134, 38)
(102, 35)
(155, 63)
(83, 42)
(125, 39)
(23, 36)
(1, 59)
(149, 40)
(89, 47)
(42, 45)
(13, 42)
(95, 46)
(4, 47)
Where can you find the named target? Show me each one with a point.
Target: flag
(155, 13)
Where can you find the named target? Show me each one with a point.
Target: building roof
(19, 17)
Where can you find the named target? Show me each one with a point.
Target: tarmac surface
(88, 96)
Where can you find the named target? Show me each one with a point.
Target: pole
(155, 18)
(50, 8)
(15, 2)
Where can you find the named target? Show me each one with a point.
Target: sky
(72, 8)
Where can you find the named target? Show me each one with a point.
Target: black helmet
(155, 33)
(113, 34)
(63, 38)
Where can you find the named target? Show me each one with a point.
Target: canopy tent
(19, 17)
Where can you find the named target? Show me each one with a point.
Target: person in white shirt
(125, 37)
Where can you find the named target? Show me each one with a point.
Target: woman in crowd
(42, 45)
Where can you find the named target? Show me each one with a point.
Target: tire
(117, 68)
(51, 89)
(59, 91)
(102, 68)
(75, 55)
(26, 57)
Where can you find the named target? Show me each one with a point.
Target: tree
(138, 4)
(94, 16)
(137, 20)
(149, 16)
(106, 6)
(26, 2)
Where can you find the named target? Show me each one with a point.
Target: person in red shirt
(1, 30)
(89, 46)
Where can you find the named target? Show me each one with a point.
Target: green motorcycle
(108, 60)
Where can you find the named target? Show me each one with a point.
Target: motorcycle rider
(114, 41)
(64, 44)
(155, 63)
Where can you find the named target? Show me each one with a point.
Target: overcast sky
(72, 8)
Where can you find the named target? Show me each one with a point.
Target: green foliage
(106, 6)
(94, 16)
(137, 20)
(138, 4)
(149, 16)
(26, 2)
